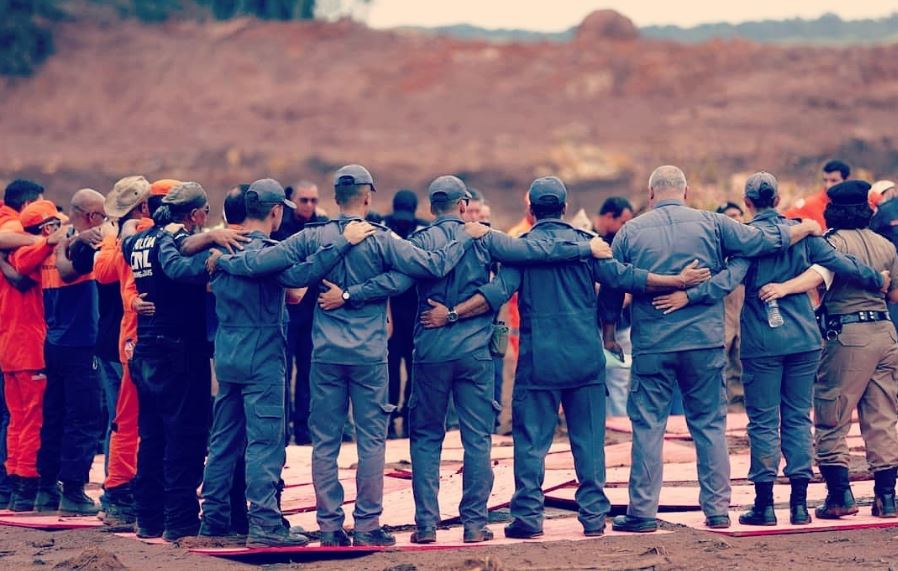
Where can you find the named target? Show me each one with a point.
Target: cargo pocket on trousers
(271, 420)
(827, 408)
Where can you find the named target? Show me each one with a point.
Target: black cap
(547, 190)
(353, 174)
(447, 189)
(761, 186)
(849, 193)
(405, 203)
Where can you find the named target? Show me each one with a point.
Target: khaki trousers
(858, 370)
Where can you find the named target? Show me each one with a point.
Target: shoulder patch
(174, 228)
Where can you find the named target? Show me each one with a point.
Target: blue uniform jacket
(663, 241)
(561, 338)
(250, 340)
(799, 333)
(355, 334)
(467, 337)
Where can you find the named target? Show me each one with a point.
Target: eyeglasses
(91, 215)
(306, 200)
(53, 225)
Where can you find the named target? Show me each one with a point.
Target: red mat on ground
(562, 529)
(298, 499)
(49, 522)
(696, 520)
(399, 506)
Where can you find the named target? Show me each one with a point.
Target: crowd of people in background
(207, 351)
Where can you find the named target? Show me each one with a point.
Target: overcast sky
(556, 15)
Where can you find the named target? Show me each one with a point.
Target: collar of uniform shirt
(670, 202)
(448, 217)
(345, 218)
(552, 221)
(766, 215)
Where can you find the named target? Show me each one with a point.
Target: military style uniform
(780, 364)
(859, 367)
(349, 358)
(455, 361)
(682, 348)
(553, 370)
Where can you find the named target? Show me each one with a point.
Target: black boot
(120, 510)
(839, 499)
(762, 512)
(48, 497)
(24, 494)
(798, 503)
(6, 497)
(884, 489)
(75, 502)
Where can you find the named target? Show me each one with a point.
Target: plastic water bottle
(774, 317)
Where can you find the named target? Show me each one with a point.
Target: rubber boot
(839, 499)
(884, 490)
(24, 494)
(762, 512)
(798, 503)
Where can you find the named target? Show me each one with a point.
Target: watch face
(345, 296)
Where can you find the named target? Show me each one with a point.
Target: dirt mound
(92, 559)
(227, 102)
(604, 25)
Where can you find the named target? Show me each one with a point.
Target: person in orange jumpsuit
(812, 207)
(18, 194)
(22, 357)
(133, 212)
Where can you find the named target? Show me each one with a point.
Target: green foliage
(25, 37)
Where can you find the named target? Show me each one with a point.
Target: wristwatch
(453, 315)
(345, 295)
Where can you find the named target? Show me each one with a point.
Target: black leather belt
(862, 317)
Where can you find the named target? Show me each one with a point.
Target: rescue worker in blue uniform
(859, 366)
(779, 363)
(349, 359)
(560, 369)
(250, 359)
(452, 358)
(171, 362)
(684, 348)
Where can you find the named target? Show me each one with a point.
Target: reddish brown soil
(229, 102)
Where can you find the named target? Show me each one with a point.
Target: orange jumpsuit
(22, 362)
(811, 207)
(110, 267)
(514, 315)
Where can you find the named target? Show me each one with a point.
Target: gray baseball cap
(761, 186)
(353, 174)
(547, 190)
(186, 194)
(268, 191)
(447, 188)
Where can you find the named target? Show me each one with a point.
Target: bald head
(667, 181)
(87, 209)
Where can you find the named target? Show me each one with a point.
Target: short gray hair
(667, 177)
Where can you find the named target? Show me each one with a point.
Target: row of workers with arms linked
(662, 257)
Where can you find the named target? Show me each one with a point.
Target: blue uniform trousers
(71, 425)
(534, 419)
(470, 384)
(779, 394)
(246, 417)
(699, 375)
(333, 387)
